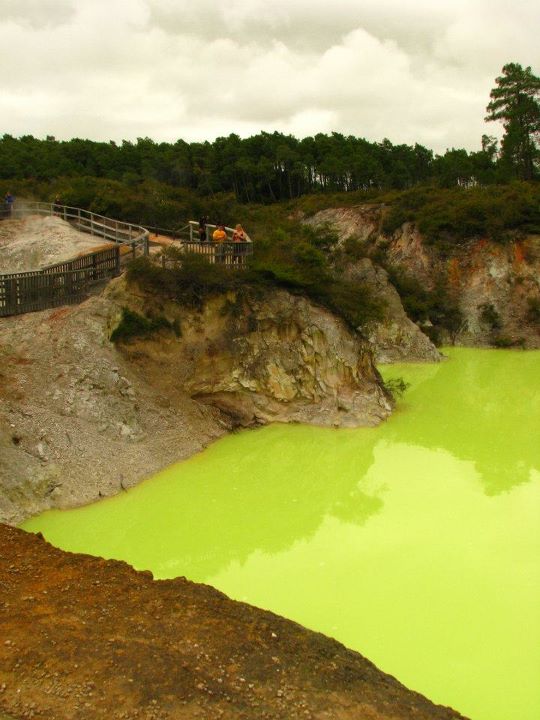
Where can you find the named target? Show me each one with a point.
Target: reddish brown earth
(82, 638)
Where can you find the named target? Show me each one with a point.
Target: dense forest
(270, 181)
(263, 168)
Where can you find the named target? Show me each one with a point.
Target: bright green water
(416, 543)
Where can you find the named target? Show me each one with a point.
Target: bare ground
(33, 242)
(86, 638)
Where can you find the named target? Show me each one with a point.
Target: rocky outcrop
(263, 358)
(396, 338)
(81, 418)
(88, 638)
(361, 222)
(497, 286)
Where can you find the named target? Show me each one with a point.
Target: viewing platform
(232, 254)
(70, 281)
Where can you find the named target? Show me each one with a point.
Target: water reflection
(482, 406)
(416, 542)
(259, 490)
(267, 489)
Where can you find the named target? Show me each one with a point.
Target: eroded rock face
(396, 338)
(503, 278)
(272, 358)
(362, 222)
(81, 418)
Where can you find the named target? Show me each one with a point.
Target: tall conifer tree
(516, 101)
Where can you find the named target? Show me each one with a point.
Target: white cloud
(409, 70)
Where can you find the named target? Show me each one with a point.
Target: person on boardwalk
(219, 236)
(202, 229)
(58, 204)
(8, 204)
(239, 238)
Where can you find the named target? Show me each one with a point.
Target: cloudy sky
(409, 70)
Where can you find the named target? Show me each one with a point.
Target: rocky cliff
(496, 286)
(81, 417)
(396, 338)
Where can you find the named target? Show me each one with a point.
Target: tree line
(271, 167)
(267, 167)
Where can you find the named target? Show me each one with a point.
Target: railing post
(117, 260)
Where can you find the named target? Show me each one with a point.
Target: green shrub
(453, 216)
(436, 311)
(503, 341)
(293, 257)
(190, 280)
(396, 386)
(489, 316)
(533, 311)
(133, 325)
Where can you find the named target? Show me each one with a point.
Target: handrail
(69, 281)
(116, 231)
(194, 227)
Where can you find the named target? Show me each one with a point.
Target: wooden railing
(70, 281)
(117, 231)
(61, 284)
(231, 254)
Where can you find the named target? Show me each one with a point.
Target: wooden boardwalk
(70, 282)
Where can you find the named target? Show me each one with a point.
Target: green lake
(416, 543)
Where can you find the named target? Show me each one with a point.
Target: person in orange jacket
(219, 236)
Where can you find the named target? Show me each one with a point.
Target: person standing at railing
(57, 205)
(8, 203)
(219, 236)
(239, 238)
(202, 229)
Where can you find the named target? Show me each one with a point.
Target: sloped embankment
(90, 638)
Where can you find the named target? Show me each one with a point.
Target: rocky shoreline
(82, 418)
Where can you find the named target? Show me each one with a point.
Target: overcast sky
(410, 70)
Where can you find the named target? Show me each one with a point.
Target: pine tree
(515, 101)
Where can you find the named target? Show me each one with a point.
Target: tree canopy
(271, 167)
(263, 168)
